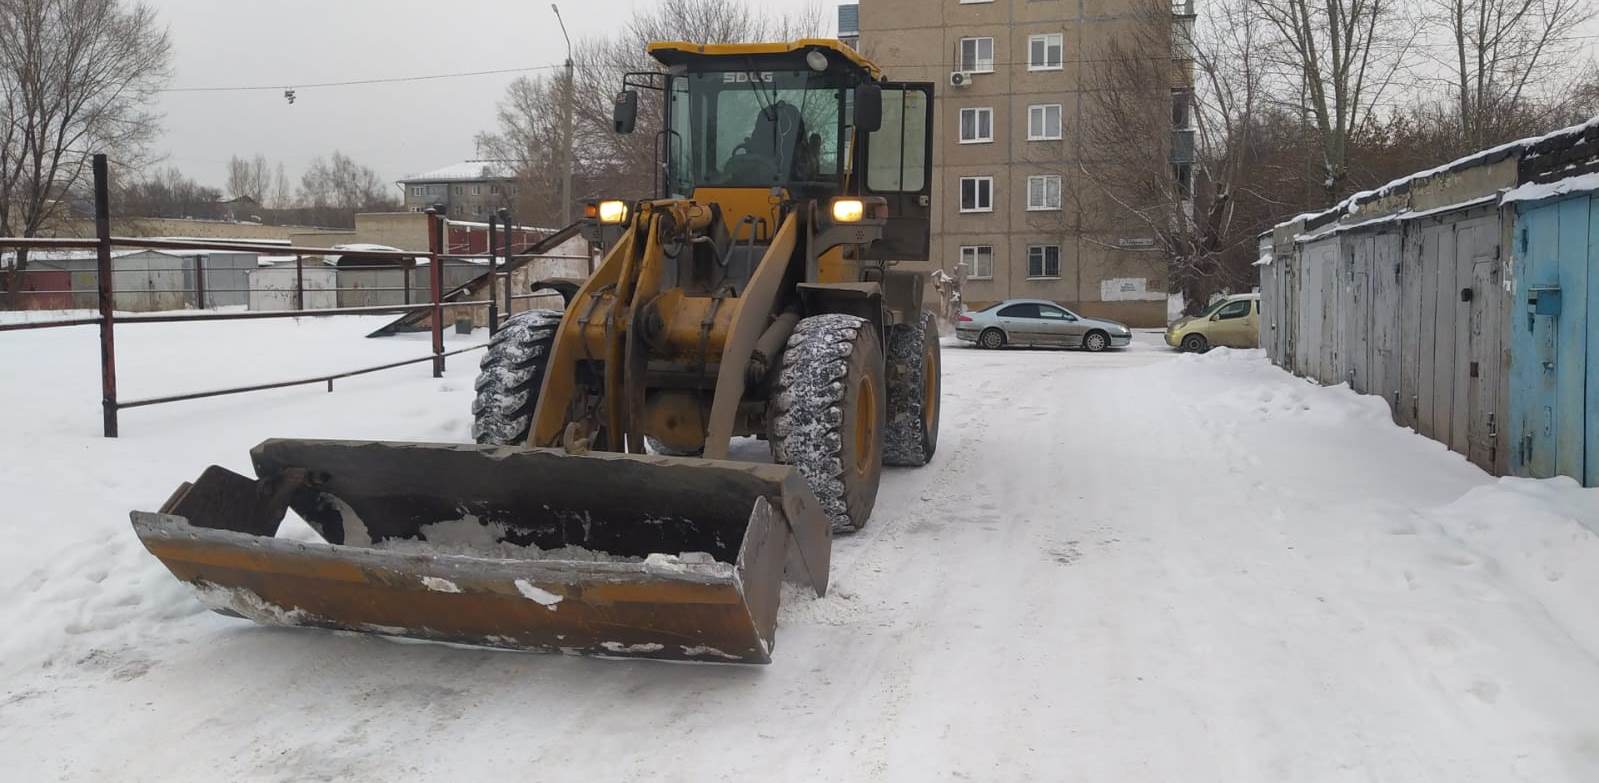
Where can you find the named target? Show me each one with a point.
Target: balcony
(1182, 145)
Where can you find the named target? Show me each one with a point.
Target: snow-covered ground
(1123, 567)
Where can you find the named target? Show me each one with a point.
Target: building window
(477, 190)
(977, 125)
(977, 194)
(494, 189)
(459, 190)
(1043, 122)
(1043, 192)
(1045, 52)
(978, 261)
(1043, 261)
(977, 55)
(477, 210)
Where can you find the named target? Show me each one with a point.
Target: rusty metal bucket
(538, 549)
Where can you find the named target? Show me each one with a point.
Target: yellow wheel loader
(601, 510)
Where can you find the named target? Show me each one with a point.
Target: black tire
(991, 339)
(828, 411)
(914, 384)
(1096, 341)
(1195, 343)
(509, 378)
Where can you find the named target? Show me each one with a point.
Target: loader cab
(753, 125)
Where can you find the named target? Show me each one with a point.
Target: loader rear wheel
(509, 378)
(914, 361)
(828, 414)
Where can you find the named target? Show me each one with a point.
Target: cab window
(898, 150)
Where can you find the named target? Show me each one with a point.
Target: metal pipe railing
(329, 379)
(204, 274)
(105, 294)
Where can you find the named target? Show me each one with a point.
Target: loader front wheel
(914, 361)
(828, 414)
(509, 378)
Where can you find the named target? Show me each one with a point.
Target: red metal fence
(105, 296)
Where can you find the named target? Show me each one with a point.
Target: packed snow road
(1121, 567)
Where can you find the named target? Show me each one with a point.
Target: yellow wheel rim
(865, 426)
(930, 373)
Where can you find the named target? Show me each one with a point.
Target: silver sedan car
(1039, 322)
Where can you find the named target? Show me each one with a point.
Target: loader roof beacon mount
(598, 512)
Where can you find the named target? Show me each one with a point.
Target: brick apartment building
(1009, 78)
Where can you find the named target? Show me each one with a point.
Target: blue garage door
(1554, 423)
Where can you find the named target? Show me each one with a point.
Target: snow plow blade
(536, 549)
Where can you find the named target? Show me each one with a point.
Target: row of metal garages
(156, 280)
(1467, 297)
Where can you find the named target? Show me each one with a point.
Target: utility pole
(570, 112)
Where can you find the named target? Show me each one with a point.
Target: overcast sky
(397, 129)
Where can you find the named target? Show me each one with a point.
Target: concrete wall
(202, 229)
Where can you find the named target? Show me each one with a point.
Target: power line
(361, 82)
(531, 68)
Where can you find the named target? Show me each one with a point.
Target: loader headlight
(611, 212)
(848, 210)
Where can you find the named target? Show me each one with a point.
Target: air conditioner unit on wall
(960, 79)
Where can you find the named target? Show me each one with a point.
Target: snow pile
(1543, 536)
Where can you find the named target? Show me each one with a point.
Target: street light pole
(570, 111)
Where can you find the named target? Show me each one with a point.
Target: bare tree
(1168, 149)
(529, 136)
(1499, 54)
(282, 196)
(76, 77)
(1341, 56)
(339, 182)
(250, 177)
(168, 194)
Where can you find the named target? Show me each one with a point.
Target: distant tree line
(331, 191)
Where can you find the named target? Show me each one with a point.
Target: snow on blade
(544, 598)
(624, 649)
(247, 604)
(440, 585)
